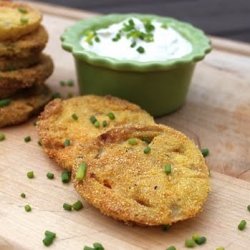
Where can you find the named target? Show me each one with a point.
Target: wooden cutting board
(216, 115)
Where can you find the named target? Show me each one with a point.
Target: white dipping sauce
(167, 43)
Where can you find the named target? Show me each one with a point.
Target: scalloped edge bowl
(159, 87)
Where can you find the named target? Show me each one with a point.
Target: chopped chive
(34, 123)
(74, 116)
(190, 243)
(200, 240)
(195, 236)
(70, 82)
(88, 248)
(111, 116)
(39, 143)
(22, 10)
(62, 83)
(171, 248)
(147, 150)
(49, 237)
(132, 141)
(242, 225)
(27, 208)
(70, 95)
(248, 208)
(50, 176)
(5, 102)
(165, 227)
(23, 195)
(164, 26)
(205, 152)
(133, 44)
(220, 248)
(2, 137)
(93, 119)
(56, 95)
(65, 176)
(104, 123)
(97, 39)
(77, 205)
(168, 169)
(30, 175)
(67, 143)
(98, 246)
(97, 124)
(24, 20)
(147, 140)
(27, 139)
(67, 206)
(140, 49)
(81, 171)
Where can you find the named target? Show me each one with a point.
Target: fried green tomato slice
(26, 46)
(17, 19)
(24, 104)
(133, 185)
(79, 119)
(27, 77)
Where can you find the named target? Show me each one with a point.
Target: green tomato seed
(77, 205)
(190, 243)
(30, 175)
(67, 206)
(65, 176)
(2, 137)
(27, 208)
(242, 225)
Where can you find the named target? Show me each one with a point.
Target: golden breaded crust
(18, 63)
(132, 186)
(27, 77)
(25, 104)
(26, 46)
(17, 19)
(55, 124)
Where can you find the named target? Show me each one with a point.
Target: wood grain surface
(216, 115)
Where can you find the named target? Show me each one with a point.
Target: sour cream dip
(131, 39)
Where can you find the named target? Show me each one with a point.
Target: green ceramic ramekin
(159, 87)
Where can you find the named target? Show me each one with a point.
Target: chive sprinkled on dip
(135, 39)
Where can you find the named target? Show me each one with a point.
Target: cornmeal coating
(18, 63)
(26, 46)
(55, 124)
(132, 186)
(27, 77)
(17, 19)
(24, 104)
